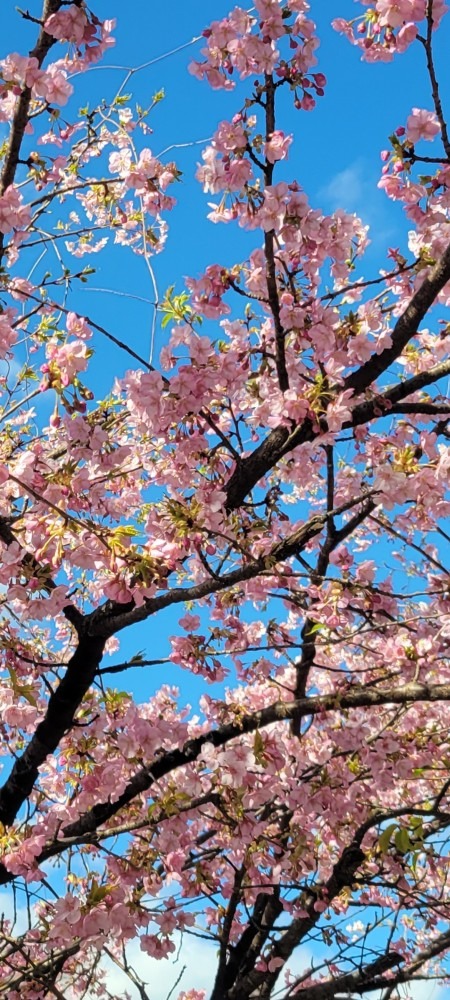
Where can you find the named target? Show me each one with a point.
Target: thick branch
(406, 326)
(112, 616)
(106, 621)
(278, 712)
(167, 763)
(362, 980)
(20, 120)
(367, 978)
(428, 46)
(333, 539)
(269, 248)
(58, 718)
(281, 440)
(343, 875)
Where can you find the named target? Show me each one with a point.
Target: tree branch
(406, 326)
(428, 46)
(280, 711)
(106, 621)
(363, 979)
(21, 114)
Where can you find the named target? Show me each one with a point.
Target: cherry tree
(279, 478)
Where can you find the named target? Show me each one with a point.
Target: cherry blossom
(260, 508)
(422, 124)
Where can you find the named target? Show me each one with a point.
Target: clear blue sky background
(335, 158)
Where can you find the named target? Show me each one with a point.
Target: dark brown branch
(112, 616)
(118, 668)
(342, 876)
(82, 668)
(367, 978)
(279, 712)
(362, 980)
(21, 114)
(269, 249)
(243, 956)
(363, 697)
(308, 634)
(365, 284)
(281, 441)
(58, 719)
(406, 326)
(428, 46)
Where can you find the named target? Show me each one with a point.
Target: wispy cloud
(348, 189)
(194, 964)
(355, 190)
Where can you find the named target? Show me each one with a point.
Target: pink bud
(400, 130)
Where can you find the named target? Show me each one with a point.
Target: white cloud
(423, 991)
(14, 910)
(346, 189)
(198, 959)
(355, 190)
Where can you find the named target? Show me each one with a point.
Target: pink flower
(155, 946)
(13, 213)
(77, 326)
(54, 86)
(21, 69)
(405, 36)
(230, 137)
(276, 148)
(8, 335)
(188, 622)
(69, 358)
(68, 25)
(422, 124)
(395, 12)
(116, 590)
(222, 174)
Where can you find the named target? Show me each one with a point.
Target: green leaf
(385, 838)
(21, 690)
(97, 893)
(258, 746)
(402, 841)
(138, 657)
(122, 99)
(316, 628)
